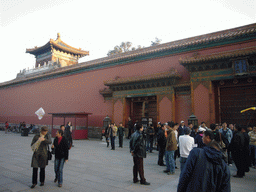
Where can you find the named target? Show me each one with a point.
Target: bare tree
(156, 42)
(122, 48)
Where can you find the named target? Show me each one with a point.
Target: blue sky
(98, 25)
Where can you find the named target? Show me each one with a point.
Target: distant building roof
(58, 44)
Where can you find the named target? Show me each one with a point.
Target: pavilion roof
(59, 44)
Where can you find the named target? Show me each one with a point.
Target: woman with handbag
(60, 148)
(39, 146)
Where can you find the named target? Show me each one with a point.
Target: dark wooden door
(144, 107)
(233, 99)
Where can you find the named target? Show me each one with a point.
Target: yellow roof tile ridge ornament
(250, 108)
(58, 36)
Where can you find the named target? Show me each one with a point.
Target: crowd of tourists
(199, 148)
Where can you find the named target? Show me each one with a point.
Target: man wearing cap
(199, 137)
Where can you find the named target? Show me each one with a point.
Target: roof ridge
(191, 41)
(219, 55)
(172, 72)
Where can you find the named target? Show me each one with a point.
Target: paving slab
(92, 167)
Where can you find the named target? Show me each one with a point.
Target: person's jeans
(252, 155)
(112, 142)
(150, 144)
(120, 141)
(58, 168)
(182, 163)
(169, 159)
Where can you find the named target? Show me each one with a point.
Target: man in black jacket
(120, 133)
(161, 143)
(130, 127)
(138, 151)
(239, 149)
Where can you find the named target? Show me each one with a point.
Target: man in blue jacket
(205, 169)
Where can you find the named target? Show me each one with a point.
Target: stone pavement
(92, 167)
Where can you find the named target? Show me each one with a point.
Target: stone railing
(41, 69)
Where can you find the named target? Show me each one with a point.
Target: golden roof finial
(58, 35)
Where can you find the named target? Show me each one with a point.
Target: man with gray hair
(186, 144)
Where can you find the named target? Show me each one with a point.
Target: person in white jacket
(186, 144)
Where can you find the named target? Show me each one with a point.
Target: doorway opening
(143, 107)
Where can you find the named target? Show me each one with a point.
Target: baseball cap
(201, 129)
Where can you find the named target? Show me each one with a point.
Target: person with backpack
(194, 176)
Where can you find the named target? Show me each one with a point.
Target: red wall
(165, 110)
(80, 92)
(118, 112)
(183, 108)
(75, 93)
(201, 100)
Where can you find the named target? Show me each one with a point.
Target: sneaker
(170, 173)
(42, 184)
(166, 171)
(33, 186)
(60, 185)
(230, 165)
(145, 183)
